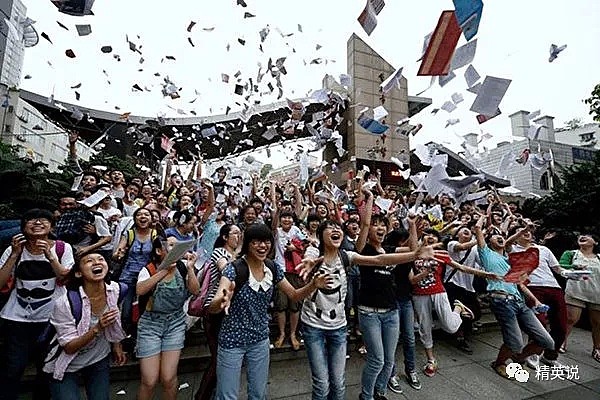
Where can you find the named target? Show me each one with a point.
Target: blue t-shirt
(175, 233)
(496, 263)
(248, 319)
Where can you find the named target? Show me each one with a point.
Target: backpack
(242, 273)
(198, 305)
(10, 283)
(69, 226)
(198, 308)
(48, 339)
(144, 302)
(131, 236)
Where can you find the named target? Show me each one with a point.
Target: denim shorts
(158, 332)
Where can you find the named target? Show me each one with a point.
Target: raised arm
(365, 221)
(478, 229)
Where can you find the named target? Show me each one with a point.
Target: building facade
(35, 136)
(368, 70)
(516, 160)
(12, 46)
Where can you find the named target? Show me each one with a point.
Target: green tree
(574, 205)
(574, 123)
(26, 184)
(594, 102)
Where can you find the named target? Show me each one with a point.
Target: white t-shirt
(281, 241)
(460, 278)
(542, 275)
(32, 298)
(324, 308)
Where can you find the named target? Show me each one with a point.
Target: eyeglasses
(258, 242)
(43, 221)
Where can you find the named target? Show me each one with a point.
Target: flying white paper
(490, 95)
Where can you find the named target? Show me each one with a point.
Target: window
(586, 137)
(544, 181)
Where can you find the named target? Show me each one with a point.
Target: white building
(12, 43)
(35, 136)
(585, 136)
(530, 177)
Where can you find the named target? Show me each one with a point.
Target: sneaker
(394, 384)
(379, 396)
(465, 311)
(463, 346)
(533, 361)
(413, 380)
(552, 363)
(430, 368)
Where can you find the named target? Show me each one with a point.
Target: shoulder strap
(182, 268)
(454, 270)
(242, 273)
(271, 265)
(345, 259)
(60, 249)
(74, 298)
(123, 288)
(130, 237)
(151, 268)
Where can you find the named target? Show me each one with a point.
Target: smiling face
(586, 241)
(332, 236)
(464, 235)
(322, 211)
(286, 222)
(249, 216)
(377, 232)
(497, 242)
(117, 177)
(259, 249)
(37, 228)
(143, 218)
(92, 268)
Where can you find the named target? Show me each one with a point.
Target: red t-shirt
(432, 283)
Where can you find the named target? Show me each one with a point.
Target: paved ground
(460, 376)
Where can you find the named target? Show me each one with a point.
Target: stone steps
(196, 355)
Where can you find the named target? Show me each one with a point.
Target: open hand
(226, 299)
(323, 281)
(308, 264)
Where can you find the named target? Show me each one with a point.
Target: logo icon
(516, 371)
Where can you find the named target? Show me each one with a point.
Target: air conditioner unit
(20, 138)
(11, 109)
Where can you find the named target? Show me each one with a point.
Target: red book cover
(440, 50)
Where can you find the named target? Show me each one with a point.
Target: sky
(513, 41)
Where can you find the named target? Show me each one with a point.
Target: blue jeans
(21, 344)
(127, 308)
(380, 334)
(326, 350)
(514, 315)
(229, 369)
(95, 380)
(406, 314)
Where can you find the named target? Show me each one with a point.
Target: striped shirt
(214, 273)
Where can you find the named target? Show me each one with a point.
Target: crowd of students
(86, 282)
